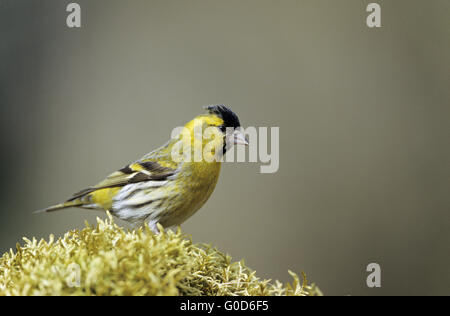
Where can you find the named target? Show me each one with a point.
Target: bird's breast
(200, 179)
(194, 185)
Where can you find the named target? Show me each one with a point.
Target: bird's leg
(152, 225)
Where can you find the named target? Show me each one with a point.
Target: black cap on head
(229, 117)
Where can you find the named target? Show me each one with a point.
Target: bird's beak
(239, 138)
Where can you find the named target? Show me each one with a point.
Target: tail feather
(60, 206)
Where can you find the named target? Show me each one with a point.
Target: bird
(167, 186)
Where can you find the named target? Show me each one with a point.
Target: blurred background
(363, 114)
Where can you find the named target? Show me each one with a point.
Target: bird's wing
(143, 170)
(157, 165)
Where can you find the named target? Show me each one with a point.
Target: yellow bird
(171, 183)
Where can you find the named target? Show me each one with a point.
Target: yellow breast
(194, 186)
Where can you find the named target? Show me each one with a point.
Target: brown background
(363, 116)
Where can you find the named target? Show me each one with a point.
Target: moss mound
(107, 260)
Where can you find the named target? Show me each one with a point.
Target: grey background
(363, 116)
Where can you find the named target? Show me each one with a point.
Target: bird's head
(228, 123)
(219, 126)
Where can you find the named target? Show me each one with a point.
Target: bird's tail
(60, 206)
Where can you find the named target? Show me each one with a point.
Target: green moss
(107, 260)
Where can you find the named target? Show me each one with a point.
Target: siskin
(161, 187)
